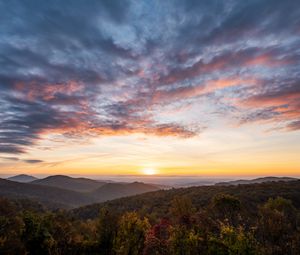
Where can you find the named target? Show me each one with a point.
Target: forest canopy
(178, 224)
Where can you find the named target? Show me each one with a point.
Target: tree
(131, 234)
(10, 229)
(157, 239)
(278, 227)
(61, 230)
(225, 208)
(185, 241)
(182, 208)
(238, 241)
(107, 230)
(36, 236)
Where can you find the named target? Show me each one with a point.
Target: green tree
(278, 227)
(131, 234)
(237, 241)
(62, 231)
(182, 209)
(11, 225)
(36, 236)
(185, 241)
(107, 230)
(225, 207)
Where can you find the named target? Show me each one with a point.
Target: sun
(149, 171)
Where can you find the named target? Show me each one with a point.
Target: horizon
(152, 176)
(138, 88)
(168, 181)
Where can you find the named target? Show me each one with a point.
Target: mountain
(67, 182)
(195, 183)
(22, 178)
(50, 196)
(159, 202)
(111, 191)
(58, 197)
(257, 180)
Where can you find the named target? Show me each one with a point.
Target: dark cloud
(228, 60)
(8, 148)
(25, 120)
(275, 100)
(29, 161)
(265, 114)
(10, 158)
(112, 67)
(33, 161)
(295, 125)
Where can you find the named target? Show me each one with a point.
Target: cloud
(29, 161)
(227, 60)
(295, 125)
(183, 93)
(113, 67)
(33, 161)
(276, 100)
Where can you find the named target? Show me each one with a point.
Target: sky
(150, 87)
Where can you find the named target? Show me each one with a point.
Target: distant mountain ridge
(116, 190)
(50, 196)
(67, 192)
(22, 178)
(62, 191)
(257, 180)
(67, 182)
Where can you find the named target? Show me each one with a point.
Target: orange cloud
(272, 100)
(194, 91)
(47, 92)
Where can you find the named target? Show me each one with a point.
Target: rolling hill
(115, 190)
(67, 182)
(58, 197)
(159, 202)
(50, 196)
(243, 214)
(22, 178)
(257, 180)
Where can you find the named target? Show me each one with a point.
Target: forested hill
(77, 192)
(257, 180)
(158, 202)
(22, 178)
(67, 182)
(255, 219)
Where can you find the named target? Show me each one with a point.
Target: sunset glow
(185, 87)
(149, 171)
